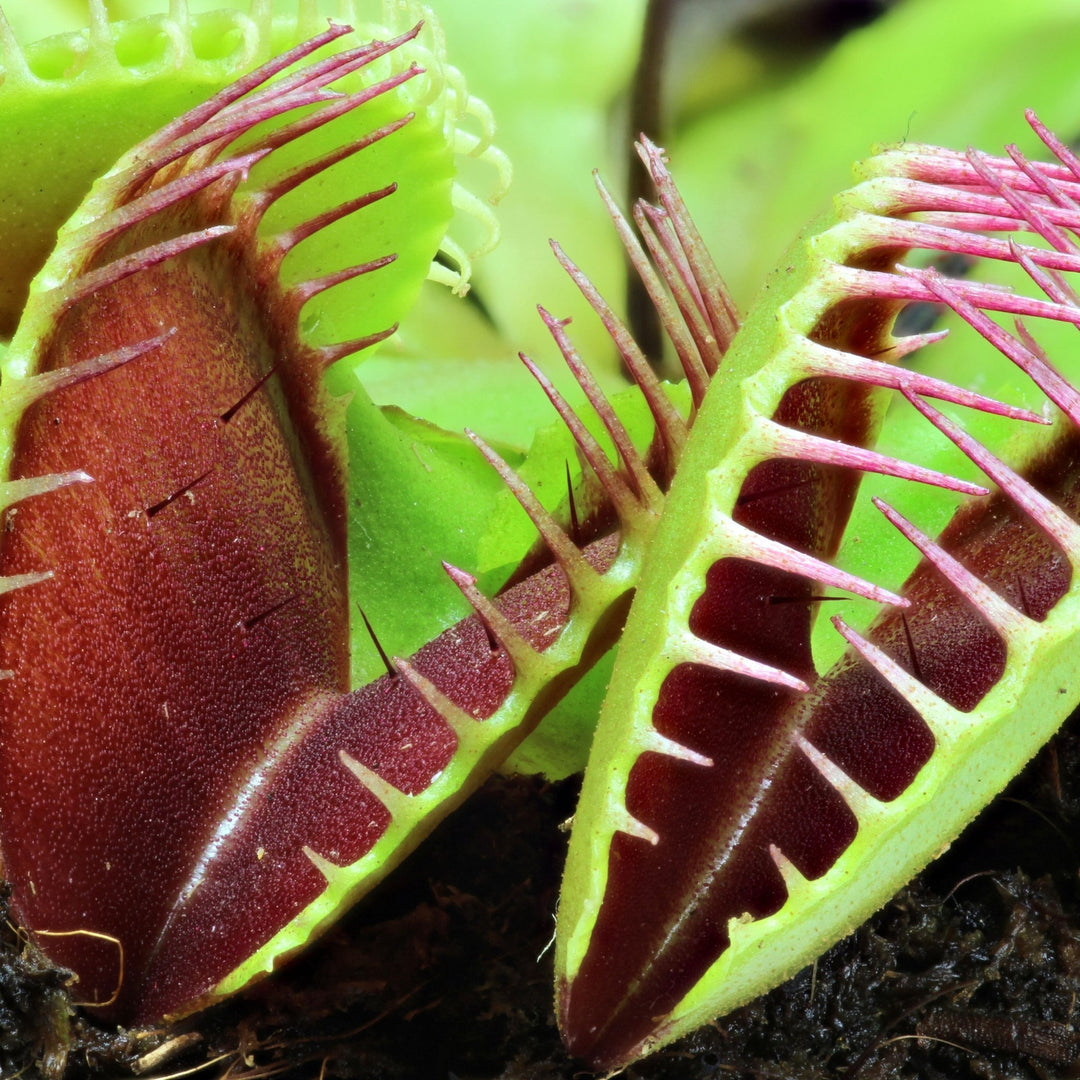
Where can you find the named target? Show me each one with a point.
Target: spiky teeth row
(467, 698)
(816, 805)
(167, 332)
(175, 576)
(145, 71)
(138, 72)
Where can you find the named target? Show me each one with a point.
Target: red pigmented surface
(311, 799)
(769, 792)
(178, 638)
(170, 737)
(664, 917)
(860, 721)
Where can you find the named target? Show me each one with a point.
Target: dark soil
(972, 971)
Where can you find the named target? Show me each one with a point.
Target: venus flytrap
(217, 515)
(196, 595)
(173, 300)
(696, 881)
(72, 104)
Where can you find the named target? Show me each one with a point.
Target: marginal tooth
(307, 15)
(1009, 622)
(478, 210)
(467, 728)
(100, 33)
(689, 358)
(1052, 283)
(28, 390)
(15, 491)
(652, 741)
(794, 881)
(903, 348)
(1031, 345)
(315, 77)
(691, 649)
(579, 571)
(920, 234)
(822, 360)
(484, 119)
(457, 281)
(625, 822)
(945, 723)
(742, 543)
(1057, 389)
(88, 284)
(333, 109)
(345, 63)
(21, 581)
(1049, 517)
(622, 498)
(637, 472)
(1041, 177)
(328, 355)
(706, 355)
(789, 442)
(718, 306)
(1019, 202)
(293, 179)
(1053, 143)
(162, 147)
(225, 114)
(109, 225)
(230, 124)
(331, 871)
(397, 802)
(859, 801)
(285, 241)
(904, 283)
(261, 13)
(492, 156)
(958, 203)
(301, 293)
(12, 56)
(671, 426)
(522, 655)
